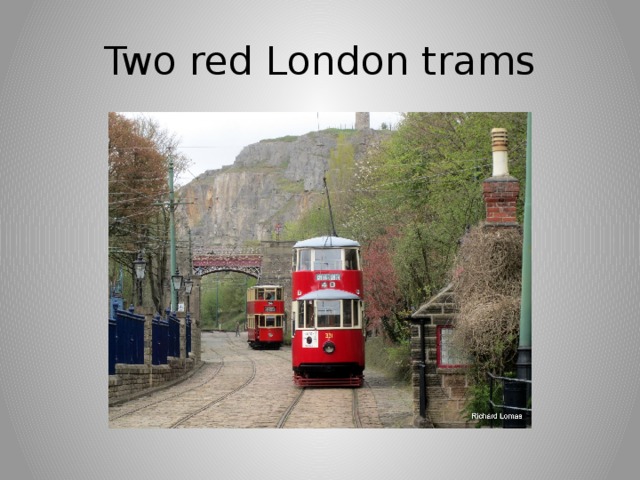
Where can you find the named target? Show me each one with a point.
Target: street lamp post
(176, 281)
(188, 285)
(139, 265)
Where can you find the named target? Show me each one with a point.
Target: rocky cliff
(271, 182)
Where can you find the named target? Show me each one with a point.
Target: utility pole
(190, 253)
(172, 236)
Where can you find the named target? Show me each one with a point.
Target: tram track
(219, 399)
(183, 392)
(287, 413)
(356, 416)
(230, 393)
(173, 396)
(356, 419)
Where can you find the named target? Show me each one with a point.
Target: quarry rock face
(271, 182)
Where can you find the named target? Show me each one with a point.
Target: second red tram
(265, 316)
(327, 345)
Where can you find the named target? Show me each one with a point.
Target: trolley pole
(333, 227)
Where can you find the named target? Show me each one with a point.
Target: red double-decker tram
(265, 316)
(327, 324)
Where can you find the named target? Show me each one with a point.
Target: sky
(213, 139)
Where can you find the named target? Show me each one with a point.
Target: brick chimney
(501, 190)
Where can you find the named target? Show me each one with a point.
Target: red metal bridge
(243, 261)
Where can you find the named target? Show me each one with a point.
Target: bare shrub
(487, 286)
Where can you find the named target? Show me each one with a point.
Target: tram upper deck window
(351, 259)
(304, 259)
(328, 259)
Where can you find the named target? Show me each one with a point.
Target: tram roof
(326, 242)
(329, 294)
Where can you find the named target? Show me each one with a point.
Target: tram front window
(328, 313)
(346, 312)
(306, 316)
(329, 259)
(309, 315)
(271, 321)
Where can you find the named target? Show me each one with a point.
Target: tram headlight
(329, 347)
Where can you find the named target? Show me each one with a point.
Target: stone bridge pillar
(276, 269)
(194, 313)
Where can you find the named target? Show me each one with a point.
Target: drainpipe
(422, 371)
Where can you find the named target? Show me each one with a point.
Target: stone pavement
(243, 388)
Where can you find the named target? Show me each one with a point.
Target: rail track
(344, 408)
(244, 388)
(217, 400)
(186, 389)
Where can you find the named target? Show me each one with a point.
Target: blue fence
(126, 338)
(160, 340)
(174, 335)
(129, 337)
(112, 346)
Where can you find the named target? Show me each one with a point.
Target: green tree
(430, 178)
(224, 298)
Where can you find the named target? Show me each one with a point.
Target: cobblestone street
(238, 387)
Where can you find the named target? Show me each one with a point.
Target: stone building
(439, 378)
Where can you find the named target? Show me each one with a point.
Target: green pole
(523, 363)
(172, 238)
(525, 305)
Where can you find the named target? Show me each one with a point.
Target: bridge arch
(269, 263)
(213, 261)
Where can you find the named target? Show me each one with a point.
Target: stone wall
(276, 268)
(132, 380)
